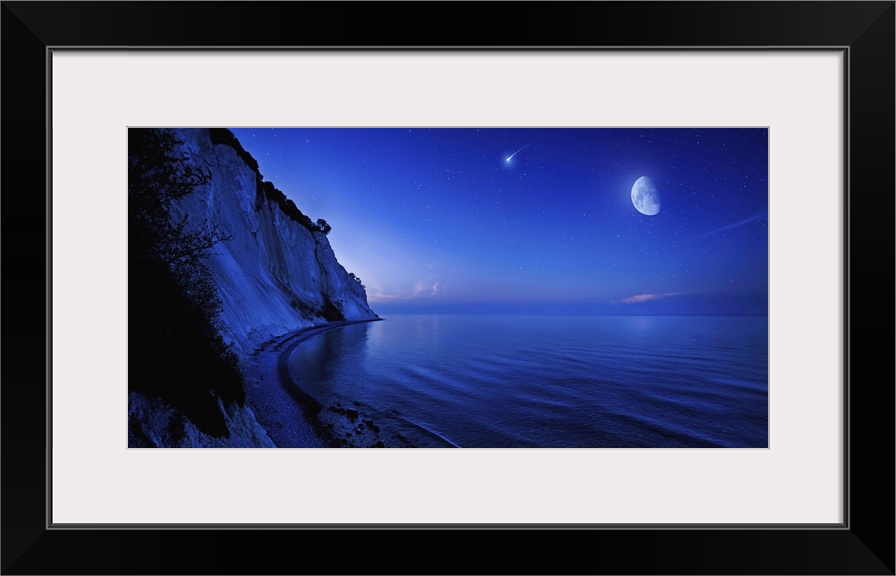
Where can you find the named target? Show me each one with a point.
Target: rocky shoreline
(295, 419)
(292, 417)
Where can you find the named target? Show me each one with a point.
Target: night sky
(438, 220)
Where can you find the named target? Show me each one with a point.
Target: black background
(865, 545)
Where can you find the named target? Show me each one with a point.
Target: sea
(505, 381)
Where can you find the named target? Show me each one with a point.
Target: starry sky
(440, 221)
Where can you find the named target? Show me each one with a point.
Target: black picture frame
(864, 544)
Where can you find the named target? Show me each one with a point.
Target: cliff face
(274, 275)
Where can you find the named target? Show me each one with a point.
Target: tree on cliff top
(174, 348)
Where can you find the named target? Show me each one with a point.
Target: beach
(290, 416)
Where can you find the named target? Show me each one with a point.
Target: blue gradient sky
(437, 220)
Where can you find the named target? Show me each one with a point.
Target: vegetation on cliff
(175, 351)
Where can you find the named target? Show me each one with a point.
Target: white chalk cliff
(274, 275)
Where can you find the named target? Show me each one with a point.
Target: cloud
(638, 298)
(380, 296)
(421, 289)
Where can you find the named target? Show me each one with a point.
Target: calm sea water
(545, 381)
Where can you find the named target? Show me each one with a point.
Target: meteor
(731, 226)
(520, 150)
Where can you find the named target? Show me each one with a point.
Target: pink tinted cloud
(421, 289)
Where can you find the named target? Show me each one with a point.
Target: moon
(646, 197)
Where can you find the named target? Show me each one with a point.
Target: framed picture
(816, 76)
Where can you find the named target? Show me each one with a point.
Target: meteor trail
(731, 226)
(520, 150)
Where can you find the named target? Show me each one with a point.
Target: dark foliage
(174, 349)
(225, 136)
(289, 207)
(157, 176)
(267, 189)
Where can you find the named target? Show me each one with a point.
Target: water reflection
(314, 363)
(421, 330)
(500, 381)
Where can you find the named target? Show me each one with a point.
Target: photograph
(629, 267)
(466, 287)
